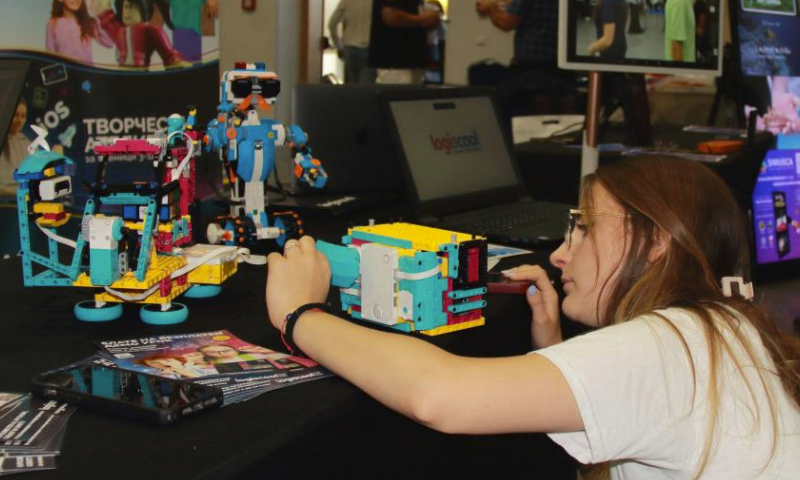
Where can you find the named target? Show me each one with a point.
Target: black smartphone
(98, 384)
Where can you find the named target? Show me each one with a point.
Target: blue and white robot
(246, 145)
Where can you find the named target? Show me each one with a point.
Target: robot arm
(306, 168)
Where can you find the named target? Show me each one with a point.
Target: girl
(679, 381)
(71, 30)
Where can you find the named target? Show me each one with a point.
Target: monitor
(12, 79)
(776, 215)
(683, 37)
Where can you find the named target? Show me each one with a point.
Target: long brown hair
(85, 21)
(685, 204)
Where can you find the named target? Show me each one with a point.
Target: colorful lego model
(129, 249)
(410, 277)
(246, 145)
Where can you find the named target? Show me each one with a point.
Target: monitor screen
(776, 208)
(453, 146)
(768, 33)
(641, 36)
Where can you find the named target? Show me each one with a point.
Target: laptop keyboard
(537, 213)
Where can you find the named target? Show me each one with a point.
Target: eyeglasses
(575, 214)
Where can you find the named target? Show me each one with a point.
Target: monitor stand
(631, 93)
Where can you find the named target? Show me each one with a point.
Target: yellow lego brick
(154, 298)
(52, 223)
(166, 264)
(52, 208)
(454, 327)
(138, 226)
(166, 227)
(421, 237)
(50, 172)
(213, 274)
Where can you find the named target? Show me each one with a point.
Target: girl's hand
(543, 299)
(301, 275)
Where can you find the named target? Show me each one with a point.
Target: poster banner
(105, 69)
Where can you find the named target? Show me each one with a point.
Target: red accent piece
(474, 274)
(55, 216)
(358, 242)
(182, 279)
(240, 65)
(165, 287)
(124, 146)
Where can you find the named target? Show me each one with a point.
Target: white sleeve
(333, 26)
(632, 385)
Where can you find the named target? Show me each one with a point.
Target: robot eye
(270, 87)
(241, 87)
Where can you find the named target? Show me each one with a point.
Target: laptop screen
(453, 145)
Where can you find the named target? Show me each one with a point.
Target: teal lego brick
(77, 378)
(104, 382)
(371, 237)
(147, 392)
(466, 307)
(452, 258)
(459, 294)
(344, 262)
(125, 199)
(103, 266)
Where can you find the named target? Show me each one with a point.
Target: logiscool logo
(456, 143)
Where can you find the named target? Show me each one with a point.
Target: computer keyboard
(527, 215)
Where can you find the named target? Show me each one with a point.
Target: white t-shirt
(634, 389)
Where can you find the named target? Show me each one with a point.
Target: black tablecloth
(323, 427)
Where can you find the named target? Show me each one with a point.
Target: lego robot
(135, 240)
(246, 145)
(411, 278)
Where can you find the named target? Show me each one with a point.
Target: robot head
(249, 84)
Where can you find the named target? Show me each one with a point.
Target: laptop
(347, 132)
(459, 169)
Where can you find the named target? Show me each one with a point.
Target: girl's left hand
(301, 275)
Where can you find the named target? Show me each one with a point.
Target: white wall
(471, 39)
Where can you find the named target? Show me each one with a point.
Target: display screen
(768, 34)
(776, 208)
(137, 389)
(453, 146)
(641, 35)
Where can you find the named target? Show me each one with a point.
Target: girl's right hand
(543, 299)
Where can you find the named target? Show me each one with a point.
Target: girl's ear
(660, 246)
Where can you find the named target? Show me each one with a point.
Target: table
(326, 427)
(551, 168)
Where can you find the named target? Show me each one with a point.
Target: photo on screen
(775, 7)
(641, 36)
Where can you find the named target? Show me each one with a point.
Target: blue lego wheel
(203, 291)
(88, 311)
(152, 314)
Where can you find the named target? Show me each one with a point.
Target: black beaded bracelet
(287, 330)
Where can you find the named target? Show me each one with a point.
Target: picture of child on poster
(71, 30)
(129, 27)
